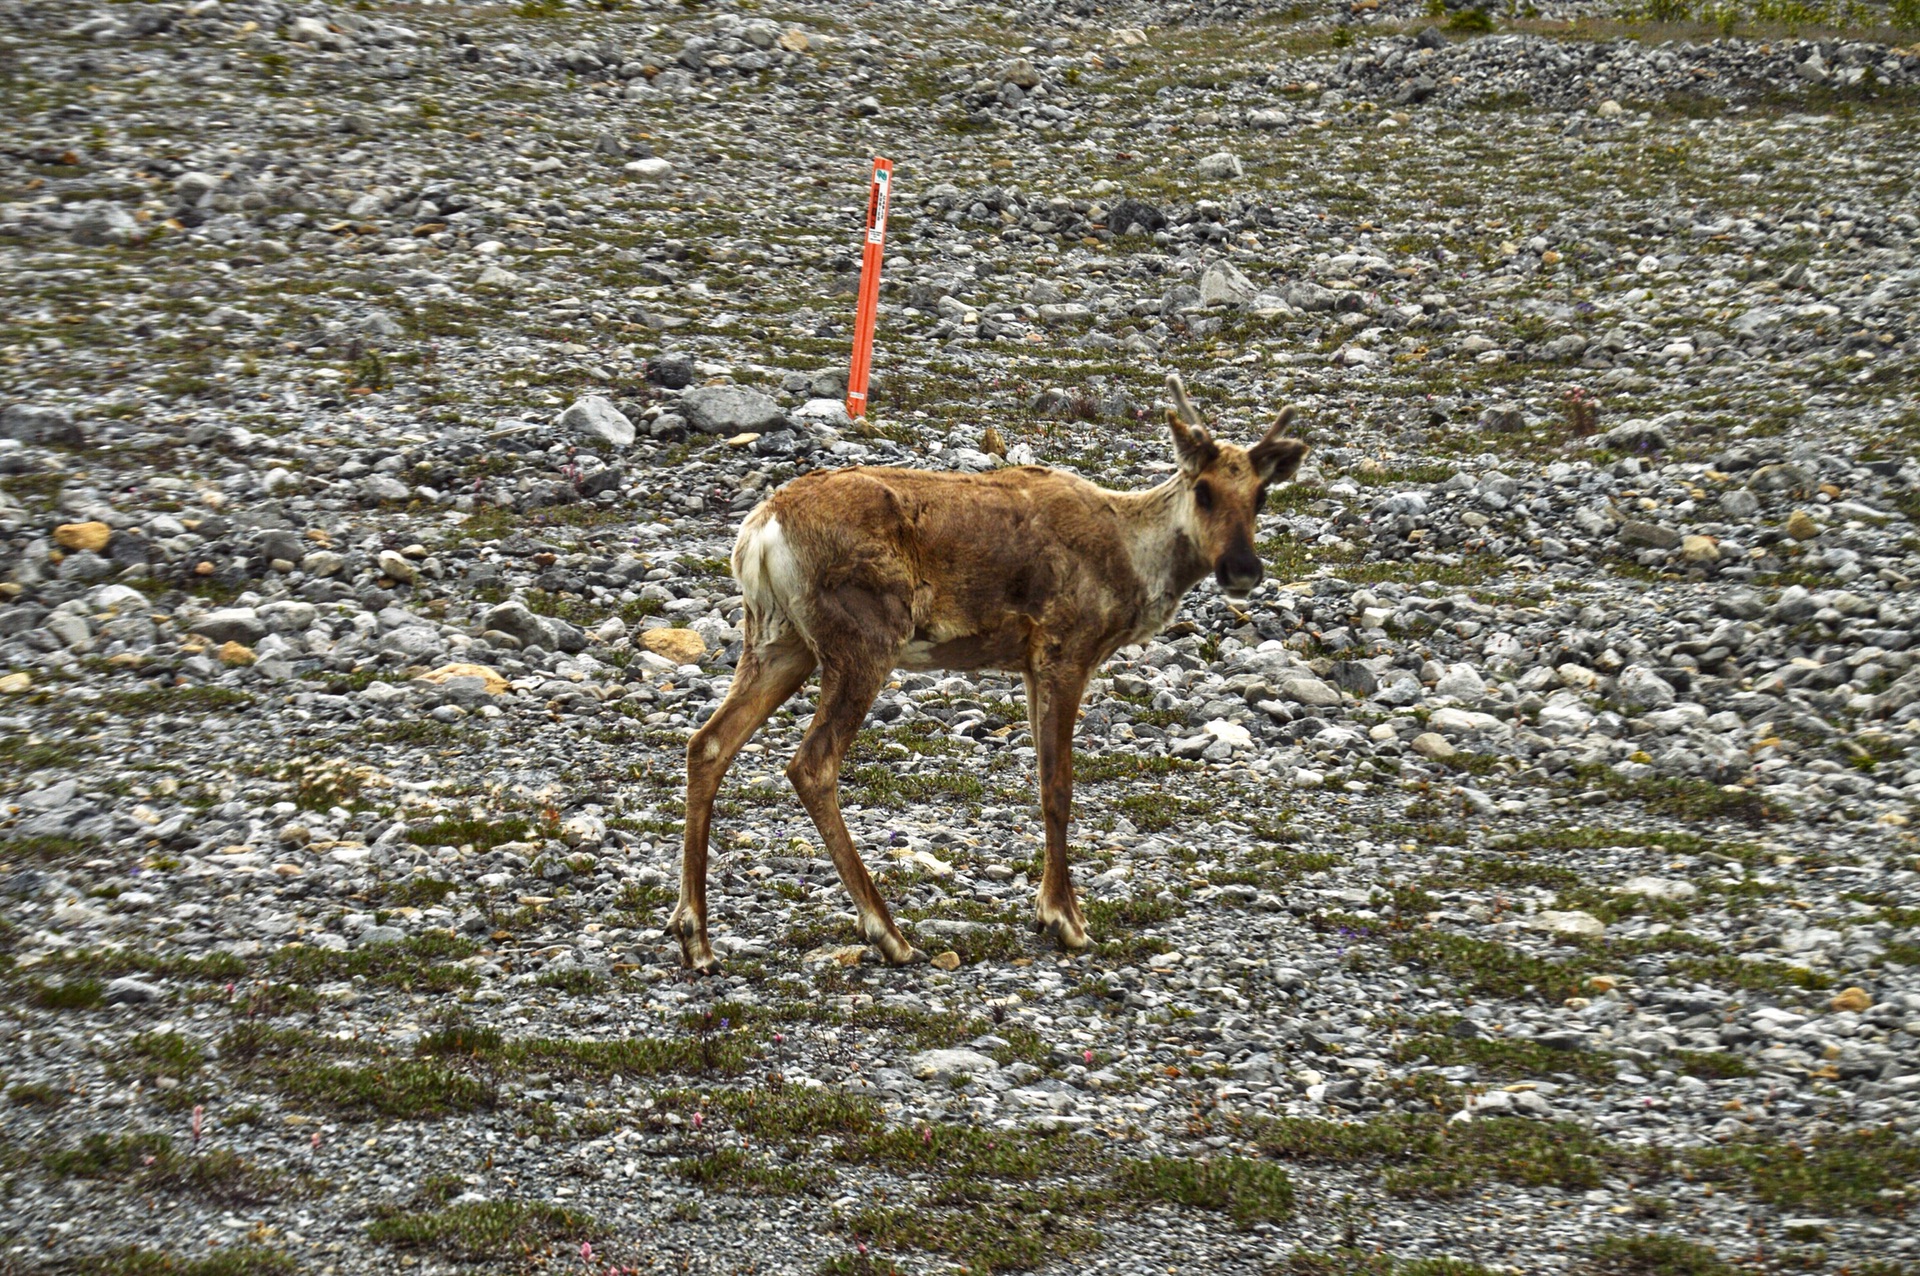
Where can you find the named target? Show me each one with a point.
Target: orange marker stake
(869, 311)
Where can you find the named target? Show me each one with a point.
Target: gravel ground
(1523, 880)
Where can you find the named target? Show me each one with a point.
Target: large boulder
(104, 225)
(515, 621)
(1127, 214)
(597, 418)
(1224, 285)
(730, 409)
(29, 423)
(231, 624)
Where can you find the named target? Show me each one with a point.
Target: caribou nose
(1238, 570)
(1236, 580)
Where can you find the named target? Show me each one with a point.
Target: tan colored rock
(1556, 922)
(88, 536)
(743, 440)
(682, 646)
(948, 960)
(838, 954)
(1431, 744)
(1700, 549)
(395, 565)
(233, 653)
(1801, 527)
(14, 683)
(496, 684)
(1854, 999)
(795, 41)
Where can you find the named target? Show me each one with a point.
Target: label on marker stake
(877, 233)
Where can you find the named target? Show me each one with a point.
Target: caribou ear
(1193, 447)
(1277, 456)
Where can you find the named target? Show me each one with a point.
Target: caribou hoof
(896, 951)
(1068, 932)
(696, 953)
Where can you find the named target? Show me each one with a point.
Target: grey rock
(231, 624)
(1645, 689)
(514, 620)
(674, 372)
(1223, 284)
(384, 487)
(1219, 166)
(128, 991)
(1309, 691)
(1133, 215)
(105, 225)
(1636, 437)
(943, 1065)
(1649, 535)
(597, 418)
(1504, 418)
(31, 423)
(730, 409)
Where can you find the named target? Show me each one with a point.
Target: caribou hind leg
(767, 675)
(847, 687)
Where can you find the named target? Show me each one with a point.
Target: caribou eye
(1203, 496)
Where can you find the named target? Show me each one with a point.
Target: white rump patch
(768, 572)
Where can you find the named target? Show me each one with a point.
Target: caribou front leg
(1053, 701)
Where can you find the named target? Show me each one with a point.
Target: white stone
(598, 418)
(1812, 939)
(1657, 888)
(1462, 682)
(1311, 692)
(824, 411)
(1231, 732)
(1568, 923)
(1502, 650)
(1219, 166)
(1224, 285)
(1645, 689)
(1563, 717)
(1578, 677)
(1463, 722)
(651, 169)
(940, 1065)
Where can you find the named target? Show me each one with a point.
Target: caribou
(858, 572)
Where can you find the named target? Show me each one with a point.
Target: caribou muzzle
(1238, 572)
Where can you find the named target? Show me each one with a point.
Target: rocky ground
(1523, 881)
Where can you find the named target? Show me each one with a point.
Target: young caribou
(866, 570)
